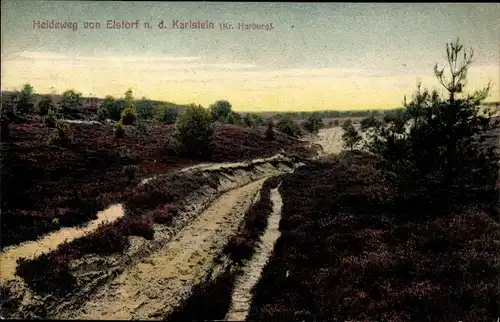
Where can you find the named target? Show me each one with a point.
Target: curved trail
(151, 289)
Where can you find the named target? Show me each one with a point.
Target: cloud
(137, 59)
(41, 55)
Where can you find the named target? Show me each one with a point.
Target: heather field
(351, 249)
(45, 187)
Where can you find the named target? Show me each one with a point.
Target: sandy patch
(32, 249)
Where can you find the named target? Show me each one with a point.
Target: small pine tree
(45, 104)
(119, 130)
(24, 100)
(50, 119)
(351, 136)
(129, 116)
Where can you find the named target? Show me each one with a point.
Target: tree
(220, 110)
(314, 123)
(45, 104)
(289, 127)
(71, 101)
(50, 118)
(112, 107)
(368, 122)
(129, 112)
(24, 100)
(433, 145)
(351, 136)
(129, 116)
(195, 131)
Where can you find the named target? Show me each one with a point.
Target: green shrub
(119, 130)
(142, 127)
(230, 119)
(289, 127)
(145, 109)
(62, 134)
(220, 110)
(129, 116)
(102, 114)
(351, 137)
(314, 123)
(45, 104)
(166, 114)
(50, 119)
(195, 131)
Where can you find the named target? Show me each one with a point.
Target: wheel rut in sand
(152, 288)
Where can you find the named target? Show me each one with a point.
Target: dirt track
(151, 288)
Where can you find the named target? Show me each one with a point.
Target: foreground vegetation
(406, 230)
(352, 248)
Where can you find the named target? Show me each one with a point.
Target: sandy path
(31, 249)
(151, 288)
(330, 139)
(242, 296)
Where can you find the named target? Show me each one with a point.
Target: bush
(112, 108)
(71, 101)
(369, 122)
(50, 119)
(119, 130)
(142, 127)
(129, 116)
(336, 123)
(220, 110)
(351, 136)
(195, 131)
(102, 114)
(230, 119)
(45, 105)
(24, 100)
(314, 123)
(166, 114)
(289, 127)
(62, 135)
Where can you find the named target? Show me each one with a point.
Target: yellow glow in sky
(187, 79)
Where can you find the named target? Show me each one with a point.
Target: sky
(314, 56)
